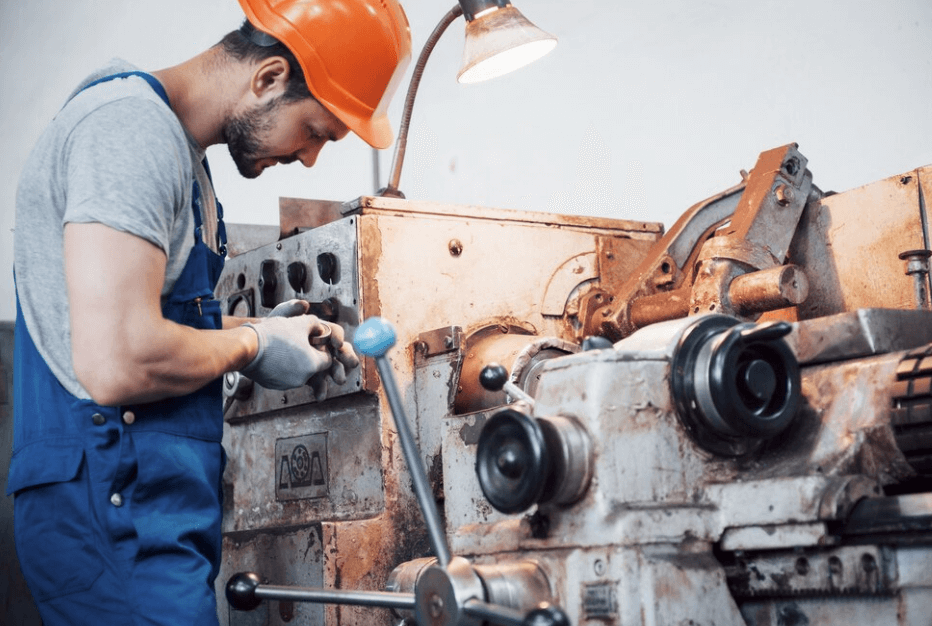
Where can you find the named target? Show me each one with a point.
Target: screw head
(784, 195)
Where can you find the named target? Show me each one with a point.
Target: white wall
(642, 110)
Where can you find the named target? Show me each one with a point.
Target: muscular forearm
(123, 349)
(168, 360)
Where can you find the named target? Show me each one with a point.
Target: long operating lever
(373, 338)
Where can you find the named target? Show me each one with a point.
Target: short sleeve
(128, 167)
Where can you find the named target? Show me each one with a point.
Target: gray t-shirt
(115, 154)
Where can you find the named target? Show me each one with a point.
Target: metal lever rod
(382, 599)
(373, 338)
(244, 593)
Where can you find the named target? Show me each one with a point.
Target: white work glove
(344, 358)
(286, 359)
(290, 308)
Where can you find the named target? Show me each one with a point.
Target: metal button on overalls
(116, 500)
(129, 417)
(98, 419)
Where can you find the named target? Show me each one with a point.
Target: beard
(243, 135)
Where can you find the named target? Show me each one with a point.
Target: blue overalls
(118, 508)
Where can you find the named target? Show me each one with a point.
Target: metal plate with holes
(318, 266)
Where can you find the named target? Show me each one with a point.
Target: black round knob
(735, 384)
(758, 380)
(241, 591)
(493, 377)
(511, 461)
(595, 342)
(546, 615)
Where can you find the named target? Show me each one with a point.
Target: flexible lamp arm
(401, 143)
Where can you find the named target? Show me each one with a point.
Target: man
(119, 343)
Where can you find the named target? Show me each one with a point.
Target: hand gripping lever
(449, 593)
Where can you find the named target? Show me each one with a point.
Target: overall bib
(118, 508)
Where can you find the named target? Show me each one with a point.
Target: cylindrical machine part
(735, 384)
(570, 451)
(521, 354)
(519, 585)
(522, 461)
(768, 290)
(660, 307)
(917, 266)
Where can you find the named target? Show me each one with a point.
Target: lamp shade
(501, 41)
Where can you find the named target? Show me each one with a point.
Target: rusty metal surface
(758, 236)
(667, 266)
(294, 557)
(497, 274)
(849, 244)
(860, 333)
(374, 205)
(294, 466)
(766, 290)
(297, 214)
(867, 570)
(242, 238)
(769, 537)
(777, 190)
(842, 426)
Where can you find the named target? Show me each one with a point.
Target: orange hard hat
(353, 52)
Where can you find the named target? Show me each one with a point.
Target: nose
(308, 155)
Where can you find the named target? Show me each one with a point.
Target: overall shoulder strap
(149, 78)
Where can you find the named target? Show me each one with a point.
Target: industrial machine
(728, 423)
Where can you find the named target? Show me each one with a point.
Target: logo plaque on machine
(301, 467)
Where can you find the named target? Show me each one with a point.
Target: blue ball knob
(374, 337)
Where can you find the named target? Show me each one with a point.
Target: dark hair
(250, 44)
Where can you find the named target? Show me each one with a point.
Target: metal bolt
(456, 247)
(284, 399)
(784, 195)
(435, 605)
(278, 246)
(599, 567)
(917, 266)
(420, 347)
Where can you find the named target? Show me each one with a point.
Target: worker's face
(280, 132)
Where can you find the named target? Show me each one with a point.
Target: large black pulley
(735, 385)
(511, 461)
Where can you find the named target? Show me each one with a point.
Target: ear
(270, 78)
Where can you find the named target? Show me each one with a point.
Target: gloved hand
(290, 308)
(286, 359)
(344, 359)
